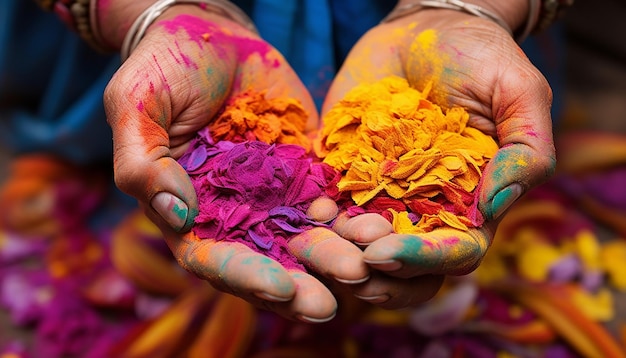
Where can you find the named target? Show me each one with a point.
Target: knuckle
(129, 175)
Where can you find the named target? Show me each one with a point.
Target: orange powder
(252, 116)
(389, 140)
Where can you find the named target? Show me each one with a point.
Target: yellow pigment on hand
(388, 138)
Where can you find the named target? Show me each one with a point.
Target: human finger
(313, 302)
(362, 229)
(144, 116)
(505, 95)
(234, 268)
(444, 251)
(394, 293)
(328, 254)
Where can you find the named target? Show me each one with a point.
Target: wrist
(115, 17)
(513, 12)
(518, 17)
(223, 9)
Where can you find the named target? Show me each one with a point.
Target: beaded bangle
(80, 17)
(148, 16)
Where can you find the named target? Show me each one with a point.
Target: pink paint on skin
(530, 131)
(428, 243)
(140, 106)
(167, 86)
(451, 241)
(458, 53)
(197, 30)
(173, 55)
(249, 46)
(186, 59)
(182, 58)
(437, 243)
(140, 83)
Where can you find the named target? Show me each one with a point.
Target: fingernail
(385, 265)
(374, 299)
(323, 210)
(352, 282)
(172, 209)
(269, 297)
(308, 319)
(504, 199)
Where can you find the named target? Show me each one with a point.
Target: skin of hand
(189, 62)
(473, 63)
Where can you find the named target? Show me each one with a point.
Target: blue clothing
(315, 35)
(51, 83)
(51, 86)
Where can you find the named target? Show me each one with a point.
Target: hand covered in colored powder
(475, 64)
(173, 85)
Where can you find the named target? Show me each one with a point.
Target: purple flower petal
(14, 248)
(566, 269)
(253, 192)
(196, 159)
(283, 224)
(446, 313)
(592, 280)
(292, 214)
(261, 236)
(25, 294)
(235, 215)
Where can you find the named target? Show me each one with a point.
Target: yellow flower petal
(407, 146)
(535, 261)
(588, 249)
(598, 306)
(613, 259)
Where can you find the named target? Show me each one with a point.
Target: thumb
(524, 128)
(143, 165)
(145, 170)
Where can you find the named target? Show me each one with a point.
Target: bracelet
(447, 4)
(550, 12)
(147, 17)
(80, 17)
(541, 14)
(532, 19)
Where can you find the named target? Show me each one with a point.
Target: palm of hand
(174, 83)
(473, 63)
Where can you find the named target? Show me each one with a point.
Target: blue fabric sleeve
(315, 35)
(51, 83)
(51, 87)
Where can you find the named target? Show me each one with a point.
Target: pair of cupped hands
(191, 61)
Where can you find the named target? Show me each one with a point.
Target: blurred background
(83, 274)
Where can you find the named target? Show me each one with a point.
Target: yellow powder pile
(388, 139)
(251, 116)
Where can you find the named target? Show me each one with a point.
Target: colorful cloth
(107, 287)
(549, 286)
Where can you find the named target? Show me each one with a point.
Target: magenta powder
(254, 193)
